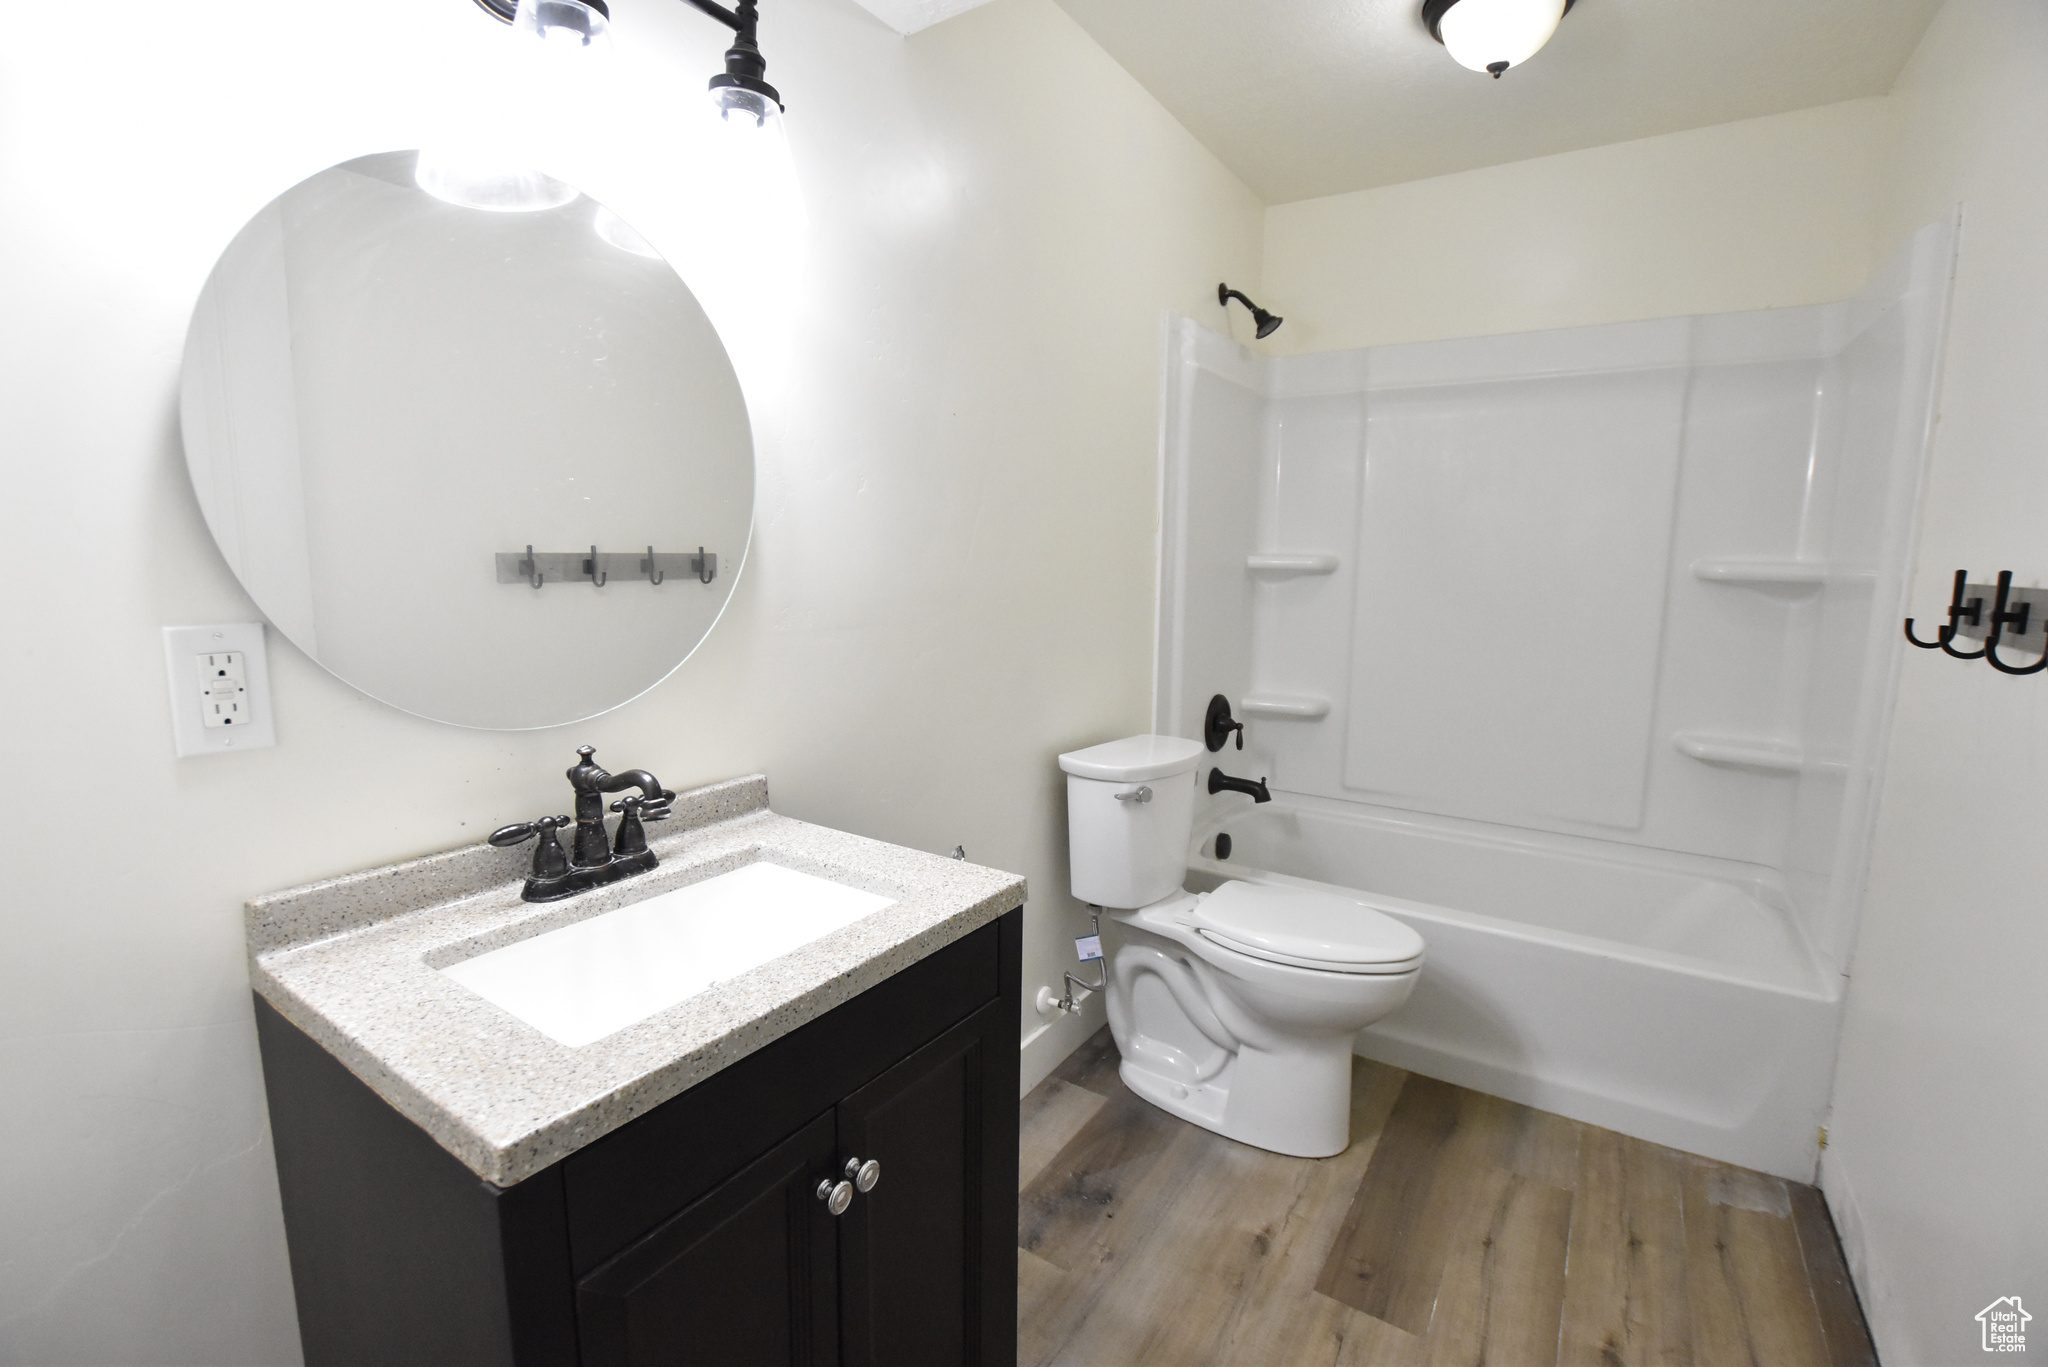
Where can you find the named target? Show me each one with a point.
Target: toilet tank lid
(1302, 925)
(1134, 759)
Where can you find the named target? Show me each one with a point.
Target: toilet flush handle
(1140, 794)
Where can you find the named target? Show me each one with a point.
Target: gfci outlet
(223, 689)
(220, 688)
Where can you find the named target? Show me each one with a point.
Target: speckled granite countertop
(353, 962)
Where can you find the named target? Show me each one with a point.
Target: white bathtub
(1665, 996)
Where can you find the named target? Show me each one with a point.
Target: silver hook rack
(599, 568)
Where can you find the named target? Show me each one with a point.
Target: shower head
(1267, 323)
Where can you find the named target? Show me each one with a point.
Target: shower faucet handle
(1217, 725)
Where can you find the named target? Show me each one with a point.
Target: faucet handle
(630, 839)
(647, 808)
(548, 859)
(519, 832)
(1218, 725)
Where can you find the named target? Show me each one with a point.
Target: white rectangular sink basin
(585, 981)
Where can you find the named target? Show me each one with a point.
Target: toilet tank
(1129, 853)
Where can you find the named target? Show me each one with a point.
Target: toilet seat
(1305, 929)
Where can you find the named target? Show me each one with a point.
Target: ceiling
(1303, 98)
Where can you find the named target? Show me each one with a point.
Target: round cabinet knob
(837, 1196)
(864, 1175)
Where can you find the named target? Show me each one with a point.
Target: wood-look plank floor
(1457, 1230)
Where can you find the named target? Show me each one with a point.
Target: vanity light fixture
(1493, 35)
(486, 161)
(568, 25)
(743, 99)
(1267, 323)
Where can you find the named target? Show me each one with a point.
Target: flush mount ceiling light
(742, 97)
(1492, 35)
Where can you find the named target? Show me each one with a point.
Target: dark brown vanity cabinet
(761, 1271)
(703, 1232)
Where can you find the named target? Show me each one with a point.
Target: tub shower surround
(353, 962)
(1575, 651)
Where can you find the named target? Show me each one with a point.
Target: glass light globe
(1493, 35)
(540, 75)
(562, 24)
(746, 111)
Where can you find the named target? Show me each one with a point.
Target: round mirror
(490, 467)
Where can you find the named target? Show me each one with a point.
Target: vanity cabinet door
(927, 1258)
(746, 1276)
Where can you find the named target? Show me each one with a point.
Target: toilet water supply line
(1068, 1004)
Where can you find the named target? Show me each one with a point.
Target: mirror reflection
(492, 468)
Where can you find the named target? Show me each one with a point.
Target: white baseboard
(1046, 1046)
(1840, 1195)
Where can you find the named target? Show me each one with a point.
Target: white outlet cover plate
(182, 648)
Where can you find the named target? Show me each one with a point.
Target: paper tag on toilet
(1089, 947)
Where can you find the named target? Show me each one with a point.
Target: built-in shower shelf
(1289, 564)
(1284, 706)
(1755, 752)
(1797, 574)
(1748, 752)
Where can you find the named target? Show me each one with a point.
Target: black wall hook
(1958, 613)
(2014, 615)
(2003, 615)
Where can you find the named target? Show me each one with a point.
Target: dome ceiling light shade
(1493, 35)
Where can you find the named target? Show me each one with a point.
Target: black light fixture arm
(745, 67)
(729, 18)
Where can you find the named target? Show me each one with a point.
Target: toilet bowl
(1234, 1009)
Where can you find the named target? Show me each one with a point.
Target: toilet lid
(1134, 759)
(1307, 929)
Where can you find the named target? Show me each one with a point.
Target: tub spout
(1255, 789)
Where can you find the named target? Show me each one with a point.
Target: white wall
(1764, 213)
(951, 577)
(1935, 1166)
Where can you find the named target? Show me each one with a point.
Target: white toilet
(1235, 1009)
